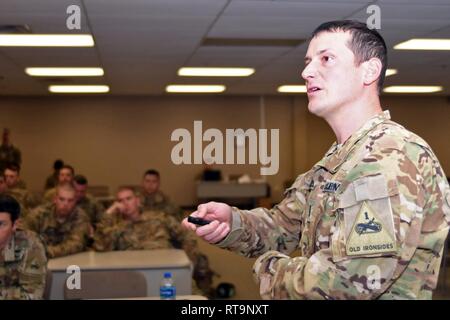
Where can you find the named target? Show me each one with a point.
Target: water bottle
(167, 290)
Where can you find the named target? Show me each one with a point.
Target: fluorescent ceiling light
(46, 40)
(292, 89)
(195, 88)
(64, 72)
(424, 44)
(215, 72)
(391, 72)
(78, 89)
(412, 89)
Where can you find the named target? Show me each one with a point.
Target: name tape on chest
(331, 186)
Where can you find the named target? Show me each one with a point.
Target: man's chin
(315, 109)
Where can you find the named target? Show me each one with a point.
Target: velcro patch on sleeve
(368, 234)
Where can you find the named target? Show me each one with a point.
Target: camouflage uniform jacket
(49, 195)
(25, 198)
(23, 267)
(158, 201)
(153, 230)
(370, 220)
(92, 208)
(61, 238)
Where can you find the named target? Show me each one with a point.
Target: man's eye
(327, 58)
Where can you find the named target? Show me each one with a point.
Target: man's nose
(308, 71)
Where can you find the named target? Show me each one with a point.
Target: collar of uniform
(157, 196)
(337, 154)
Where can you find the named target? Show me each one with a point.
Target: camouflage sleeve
(31, 220)
(106, 234)
(99, 211)
(186, 240)
(257, 231)
(73, 243)
(406, 191)
(174, 210)
(32, 200)
(49, 195)
(32, 274)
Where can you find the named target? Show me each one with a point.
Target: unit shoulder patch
(368, 235)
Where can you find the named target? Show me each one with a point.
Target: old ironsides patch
(368, 235)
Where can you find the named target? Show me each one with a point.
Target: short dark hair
(13, 167)
(58, 164)
(151, 172)
(10, 205)
(365, 43)
(80, 179)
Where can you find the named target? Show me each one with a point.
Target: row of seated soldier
(67, 220)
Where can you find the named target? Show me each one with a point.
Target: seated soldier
(52, 180)
(17, 189)
(62, 225)
(12, 176)
(65, 175)
(23, 264)
(125, 226)
(154, 199)
(87, 202)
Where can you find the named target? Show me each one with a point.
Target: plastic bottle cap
(167, 275)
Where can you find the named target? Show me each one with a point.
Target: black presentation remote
(198, 221)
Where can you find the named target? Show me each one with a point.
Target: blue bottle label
(167, 292)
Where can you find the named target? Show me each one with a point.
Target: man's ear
(372, 70)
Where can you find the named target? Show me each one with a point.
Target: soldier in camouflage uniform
(52, 180)
(65, 175)
(17, 189)
(87, 202)
(154, 199)
(8, 153)
(125, 227)
(370, 219)
(23, 264)
(62, 225)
